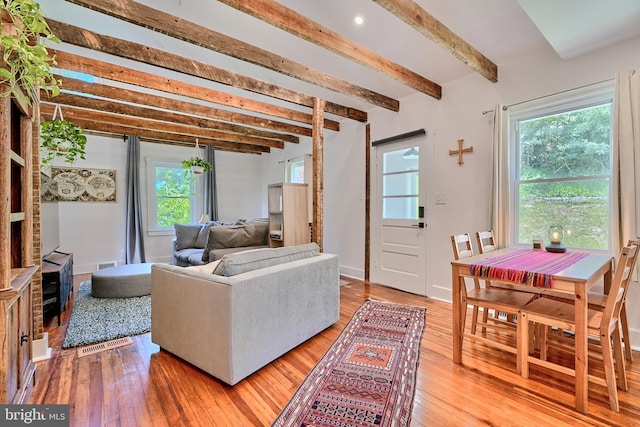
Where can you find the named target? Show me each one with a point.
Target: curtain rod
(505, 107)
(399, 137)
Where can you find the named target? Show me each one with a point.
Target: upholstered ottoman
(122, 281)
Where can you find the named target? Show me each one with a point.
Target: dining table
(571, 272)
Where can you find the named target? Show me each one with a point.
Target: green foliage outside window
(173, 196)
(565, 173)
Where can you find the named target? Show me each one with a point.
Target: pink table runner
(526, 266)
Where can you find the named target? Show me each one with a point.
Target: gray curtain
(210, 190)
(134, 238)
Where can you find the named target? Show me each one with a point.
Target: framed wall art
(79, 185)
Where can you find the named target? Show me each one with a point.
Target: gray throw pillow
(201, 241)
(238, 236)
(235, 236)
(186, 235)
(242, 262)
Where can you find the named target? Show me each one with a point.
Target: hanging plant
(195, 163)
(60, 138)
(27, 63)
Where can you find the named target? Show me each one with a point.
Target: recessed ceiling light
(359, 20)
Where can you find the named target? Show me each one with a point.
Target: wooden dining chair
(486, 241)
(598, 300)
(462, 248)
(603, 326)
(489, 298)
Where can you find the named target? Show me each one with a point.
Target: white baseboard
(635, 339)
(354, 273)
(40, 348)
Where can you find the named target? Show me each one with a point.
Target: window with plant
(172, 200)
(563, 173)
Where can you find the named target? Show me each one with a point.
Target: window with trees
(563, 173)
(173, 196)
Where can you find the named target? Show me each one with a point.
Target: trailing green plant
(196, 161)
(28, 63)
(60, 138)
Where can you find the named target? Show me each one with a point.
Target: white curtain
(500, 177)
(626, 140)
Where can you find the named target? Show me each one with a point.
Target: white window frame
(591, 95)
(152, 229)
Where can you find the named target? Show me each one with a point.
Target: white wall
(94, 231)
(458, 115)
(239, 184)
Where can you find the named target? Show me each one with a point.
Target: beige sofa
(262, 304)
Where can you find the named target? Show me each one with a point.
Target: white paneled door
(398, 220)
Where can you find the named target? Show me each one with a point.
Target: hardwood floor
(140, 385)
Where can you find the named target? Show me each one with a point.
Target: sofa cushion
(188, 253)
(235, 236)
(242, 262)
(216, 254)
(187, 235)
(205, 268)
(203, 235)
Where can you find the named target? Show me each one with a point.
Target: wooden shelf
(20, 277)
(17, 266)
(288, 214)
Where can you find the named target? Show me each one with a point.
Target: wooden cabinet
(17, 267)
(57, 283)
(288, 215)
(16, 358)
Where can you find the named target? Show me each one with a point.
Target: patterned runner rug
(368, 375)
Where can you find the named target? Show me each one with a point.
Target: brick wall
(36, 286)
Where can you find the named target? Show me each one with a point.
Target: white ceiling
(576, 27)
(497, 28)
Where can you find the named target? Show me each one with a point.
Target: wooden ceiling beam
(73, 113)
(85, 65)
(111, 130)
(176, 27)
(219, 145)
(421, 20)
(164, 84)
(148, 55)
(108, 106)
(294, 23)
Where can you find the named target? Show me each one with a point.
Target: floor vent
(107, 264)
(107, 345)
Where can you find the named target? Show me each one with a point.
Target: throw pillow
(186, 235)
(203, 235)
(235, 236)
(242, 262)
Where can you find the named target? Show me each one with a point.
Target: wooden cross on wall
(461, 151)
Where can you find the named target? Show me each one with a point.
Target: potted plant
(60, 138)
(27, 62)
(196, 164)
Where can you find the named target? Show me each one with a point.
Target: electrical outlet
(441, 199)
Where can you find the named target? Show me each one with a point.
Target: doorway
(399, 215)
